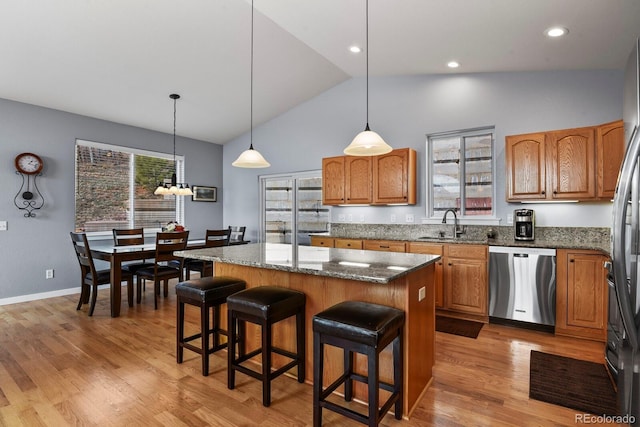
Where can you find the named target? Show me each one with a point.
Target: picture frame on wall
(204, 194)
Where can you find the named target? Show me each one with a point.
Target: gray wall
(32, 245)
(404, 109)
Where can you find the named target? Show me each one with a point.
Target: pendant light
(367, 142)
(175, 188)
(251, 158)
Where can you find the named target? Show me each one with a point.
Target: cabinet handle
(571, 260)
(449, 264)
(542, 193)
(555, 192)
(384, 247)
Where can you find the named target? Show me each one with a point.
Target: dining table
(116, 255)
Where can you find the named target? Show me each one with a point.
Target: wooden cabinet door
(526, 166)
(384, 245)
(327, 242)
(610, 152)
(348, 243)
(394, 177)
(333, 190)
(571, 164)
(466, 285)
(438, 279)
(581, 294)
(357, 172)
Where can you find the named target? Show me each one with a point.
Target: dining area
(135, 258)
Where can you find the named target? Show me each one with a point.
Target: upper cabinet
(610, 152)
(564, 164)
(385, 179)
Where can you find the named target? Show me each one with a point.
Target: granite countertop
(352, 264)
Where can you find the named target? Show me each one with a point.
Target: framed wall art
(204, 194)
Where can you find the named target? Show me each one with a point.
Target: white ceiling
(119, 60)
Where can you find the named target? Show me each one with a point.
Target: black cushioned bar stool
(364, 328)
(206, 293)
(264, 306)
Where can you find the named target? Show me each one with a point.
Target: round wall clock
(29, 163)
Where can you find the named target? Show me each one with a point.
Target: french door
(291, 207)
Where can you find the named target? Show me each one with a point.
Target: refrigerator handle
(619, 236)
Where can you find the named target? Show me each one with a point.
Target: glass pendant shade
(251, 159)
(367, 143)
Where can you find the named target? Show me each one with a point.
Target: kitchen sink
(437, 239)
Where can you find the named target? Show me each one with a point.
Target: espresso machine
(524, 220)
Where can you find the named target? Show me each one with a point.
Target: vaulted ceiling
(119, 60)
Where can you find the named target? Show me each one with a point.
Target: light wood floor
(59, 367)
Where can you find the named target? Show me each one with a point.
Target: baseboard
(44, 295)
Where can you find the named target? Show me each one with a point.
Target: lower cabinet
(465, 279)
(327, 242)
(384, 245)
(581, 294)
(347, 243)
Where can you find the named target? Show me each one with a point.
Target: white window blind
(115, 185)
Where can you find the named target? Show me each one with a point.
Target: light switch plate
(3, 225)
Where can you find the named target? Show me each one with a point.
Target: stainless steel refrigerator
(623, 335)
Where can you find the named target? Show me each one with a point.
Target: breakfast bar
(328, 276)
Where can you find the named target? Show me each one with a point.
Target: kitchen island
(328, 276)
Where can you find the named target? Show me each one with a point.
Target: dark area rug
(465, 328)
(572, 383)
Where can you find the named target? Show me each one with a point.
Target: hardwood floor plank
(59, 367)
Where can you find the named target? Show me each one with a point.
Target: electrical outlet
(409, 218)
(49, 274)
(341, 217)
(422, 293)
(510, 219)
(361, 218)
(393, 218)
(3, 225)
(350, 217)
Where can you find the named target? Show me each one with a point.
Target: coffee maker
(524, 220)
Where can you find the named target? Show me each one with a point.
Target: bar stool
(264, 306)
(206, 293)
(364, 328)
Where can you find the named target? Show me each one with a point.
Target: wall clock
(29, 163)
(29, 167)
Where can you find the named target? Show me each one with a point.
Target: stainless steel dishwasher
(522, 285)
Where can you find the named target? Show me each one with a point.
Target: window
(292, 208)
(115, 185)
(461, 173)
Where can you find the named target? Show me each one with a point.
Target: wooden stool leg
(231, 350)
(216, 326)
(266, 363)
(348, 369)
(318, 369)
(204, 331)
(398, 365)
(300, 334)
(180, 331)
(373, 374)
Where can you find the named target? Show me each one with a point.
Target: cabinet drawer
(425, 248)
(348, 243)
(467, 251)
(383, 245)
(326, 242)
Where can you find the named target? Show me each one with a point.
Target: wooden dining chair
(167, 265)
(237, 233)
(213, 238)
(128, 237)
(91, 277)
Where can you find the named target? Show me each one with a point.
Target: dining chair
(167, 265)
(237, 233)
(213, 238)
(91, 277)
(128, 237)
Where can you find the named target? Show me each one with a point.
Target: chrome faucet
(456, 229)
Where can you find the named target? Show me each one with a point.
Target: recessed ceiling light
(453, 64)
(355, 49)
(556, 31)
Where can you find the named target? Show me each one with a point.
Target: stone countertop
(597, 239)
(352, 264)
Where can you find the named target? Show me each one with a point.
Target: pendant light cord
(367, 57)
(251, 86)
(174, 134)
